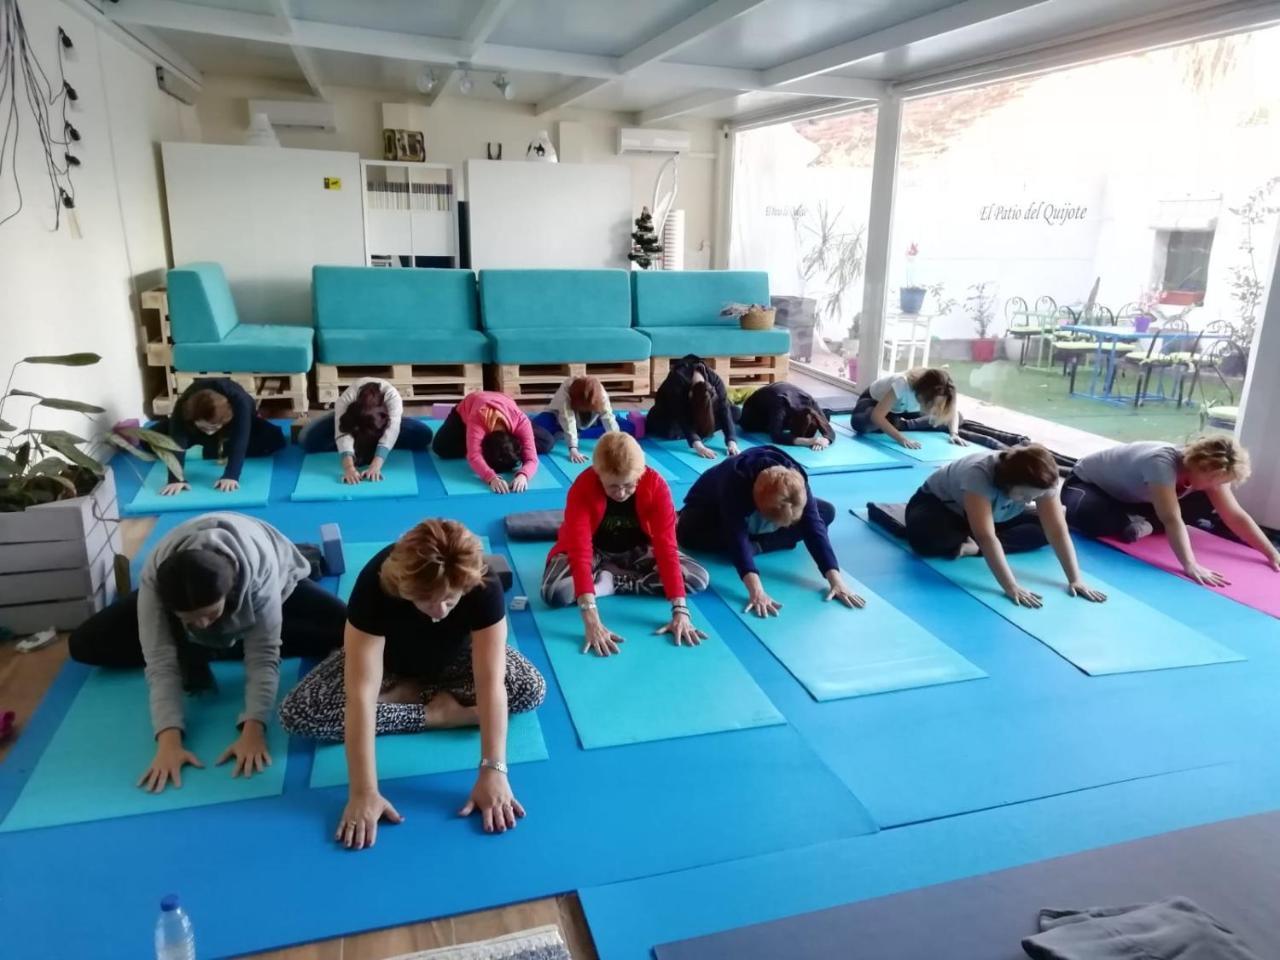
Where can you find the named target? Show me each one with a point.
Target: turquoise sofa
(209, 337)
(380, 315)
(559, 316)
(679, 311)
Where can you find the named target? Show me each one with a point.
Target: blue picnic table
(1107, 339)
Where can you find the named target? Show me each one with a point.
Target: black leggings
(450, 442)
(1096, 513)
(701, 529)
(935, 530)
(314, 620)
(860, 418)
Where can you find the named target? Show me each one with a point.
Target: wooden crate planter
(289, 389)
(416, 382)
(57, 561)
(538, 381)
(743, 371)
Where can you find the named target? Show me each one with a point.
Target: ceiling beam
(301, 55)
(682, 105)
(151, 40)
(956, 17)
(568, 94)
(486, 20)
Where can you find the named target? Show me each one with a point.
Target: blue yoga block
(331, 544)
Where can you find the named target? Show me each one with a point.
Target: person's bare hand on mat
(682, 630)
(492, 796)
(575, 456)
(1079, 588)
(839, 591)
(373, 471)
(759, 602)
(499, 485)
(1024, 598)
(249, 750)
(732, 447)
(227, 485)
(520, 483)
(818, 444)
(349, 472)
(358, 827)
(1207, 577)
(1273, 562)
(173, 489)
(702, 450)
(169, 760)
(600, 640)
(910, 444)
(958, 440)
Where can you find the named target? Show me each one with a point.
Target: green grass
(1045, 394)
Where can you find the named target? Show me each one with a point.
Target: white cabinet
(410, 214)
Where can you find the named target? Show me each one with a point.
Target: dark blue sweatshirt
(725, 491)
(235, 433)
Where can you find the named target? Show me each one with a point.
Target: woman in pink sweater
(496, 437)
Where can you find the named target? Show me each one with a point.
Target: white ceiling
(659, 59)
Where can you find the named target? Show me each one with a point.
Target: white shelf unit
(410, 213)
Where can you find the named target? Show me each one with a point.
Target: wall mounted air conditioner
(175, 86)
(305, 114)
(644, 140)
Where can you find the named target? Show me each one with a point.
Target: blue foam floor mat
(843, 456)
(560, 457)
(321, 479)
(935, 447)
(684, 454)
(460, 480)
(255, 485)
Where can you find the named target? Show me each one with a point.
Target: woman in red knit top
(619, 536)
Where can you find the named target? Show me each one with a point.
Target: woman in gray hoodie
(220, 586)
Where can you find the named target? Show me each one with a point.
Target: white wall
(460, 127)
(63, 293)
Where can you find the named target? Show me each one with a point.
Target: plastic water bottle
(175, 939)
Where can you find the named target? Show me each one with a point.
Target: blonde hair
(780, 495)
(936, 392)
(435, 557)
(618, 455)
(1218, 453)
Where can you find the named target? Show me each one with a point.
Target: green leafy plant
(981, 307)
(941, 302)
(1247, 288)
(832, 253)
(39, 465)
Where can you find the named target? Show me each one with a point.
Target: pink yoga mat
(1253, 582)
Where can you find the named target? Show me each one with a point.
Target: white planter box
(57, 560)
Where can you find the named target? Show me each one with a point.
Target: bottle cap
(169, 903)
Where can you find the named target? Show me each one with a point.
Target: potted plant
(59, 539)
(981, 306)
(911, 295)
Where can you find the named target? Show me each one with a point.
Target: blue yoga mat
(560, 457)
(686, 455)
(460, 480)
(844, 456)
(652, 690)
(321, 479)
(935, 447)
(1123, 635)
(834, 651)
(255, 487)
(90, 767)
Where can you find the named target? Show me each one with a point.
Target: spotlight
(465, 84)
(426, 81)
(505, 86)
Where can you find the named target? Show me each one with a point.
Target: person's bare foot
(402, 691)
(444, 711)
(968, 549)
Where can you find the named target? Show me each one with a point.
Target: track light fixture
(505, 86)
(426, 81)
(466, 83)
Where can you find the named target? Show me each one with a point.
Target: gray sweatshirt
(268, 567)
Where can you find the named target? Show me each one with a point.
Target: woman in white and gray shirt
(580, 408)
(366, 424)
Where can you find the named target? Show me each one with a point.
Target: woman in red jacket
(619, 536)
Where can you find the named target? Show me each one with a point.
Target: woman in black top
(425, 648)
(788, 415)
(692, 403)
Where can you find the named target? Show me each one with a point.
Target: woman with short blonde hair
(1132, 490)
(425, 649)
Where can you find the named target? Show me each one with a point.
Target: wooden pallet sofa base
(286, 389)
(743, 371)
(538, 381)
(416, 382)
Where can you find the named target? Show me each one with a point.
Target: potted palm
(981, 306)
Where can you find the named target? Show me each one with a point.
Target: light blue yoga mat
(1123, 635)
(652, 690)
(836, 652)
(356, 557)
(935, 447)
(560, 457)
(686, 455)
(845, 455)
(255, 486)
(90, 768)
(459, 479)
(321, 479)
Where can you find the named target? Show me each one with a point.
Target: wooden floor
(24, 678)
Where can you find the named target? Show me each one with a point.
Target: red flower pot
(983, 351)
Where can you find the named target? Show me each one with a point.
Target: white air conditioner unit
(306, 114)
(644, 140)
(175, 86)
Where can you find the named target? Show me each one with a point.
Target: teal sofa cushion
(526, 299)
(402, 346)
(716, 341)
(250, 348)
(694, 298)
(556, 345)
(200, 303)
(382, 298)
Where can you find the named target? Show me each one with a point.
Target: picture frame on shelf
(407, 145)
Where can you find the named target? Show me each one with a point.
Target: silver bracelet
(587, 602)
(498, 765)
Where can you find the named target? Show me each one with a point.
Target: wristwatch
(498, 765)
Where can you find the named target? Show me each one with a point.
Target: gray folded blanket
(534, 525)
(890, 516)
(1171, 929)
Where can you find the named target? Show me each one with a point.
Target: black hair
(501, 451)
(702, 409)
(194, 579)
(365, 421)
(807, 423)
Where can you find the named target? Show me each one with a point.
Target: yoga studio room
(640, 479)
